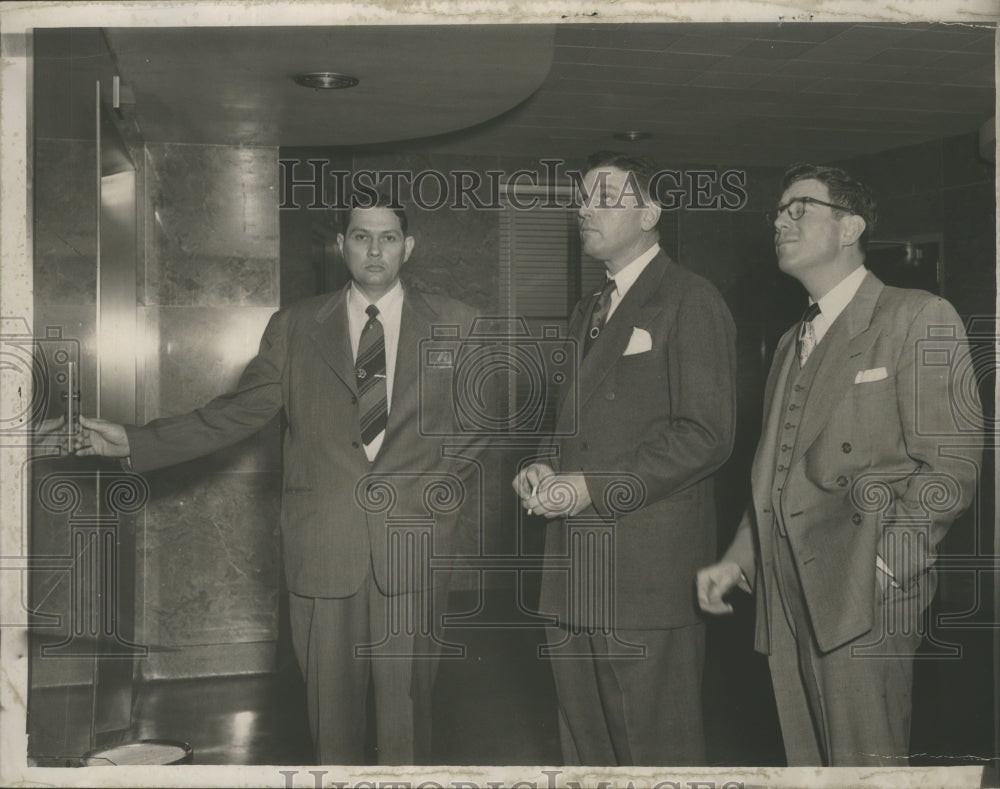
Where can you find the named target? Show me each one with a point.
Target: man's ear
(408, 243)
(851, 228)
(650, 215)
(340, 243)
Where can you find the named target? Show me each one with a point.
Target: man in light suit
(868, 453)
(355, 452)
(654, 400)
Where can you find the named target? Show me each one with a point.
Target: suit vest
(797, 386)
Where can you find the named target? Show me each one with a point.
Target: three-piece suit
(867, 454)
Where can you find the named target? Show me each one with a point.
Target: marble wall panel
(211, 225)
(192, 355)
(211, 549)
(65, 227)
(210, 283)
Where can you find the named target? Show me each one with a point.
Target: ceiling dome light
(325, 80)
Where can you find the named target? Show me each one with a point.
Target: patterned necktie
(599, 315)
(807, 334)
(370, 376)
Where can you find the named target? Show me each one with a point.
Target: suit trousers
(620, 710)
(343, 643)
(850, 706)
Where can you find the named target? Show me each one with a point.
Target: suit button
(799, 387)
(781, 468)
(785, 447)
(609, 396)
(789, 425)
(354, 400)
(585, 445)
(846, 447)
(842, 481)
(355, 444)
(856, 518)
(792, 407)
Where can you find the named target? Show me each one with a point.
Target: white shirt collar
(390, 304)
(626, 278)
(835, 300)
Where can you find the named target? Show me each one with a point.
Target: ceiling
(233, 85)
(753, 94)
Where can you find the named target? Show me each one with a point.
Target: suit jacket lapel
(575, 340)
(614, 339)
(414, 326)
(333, 338)
(849, 336)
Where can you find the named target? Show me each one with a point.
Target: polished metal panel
(116, 396)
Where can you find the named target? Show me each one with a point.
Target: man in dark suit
(344, 368)
(868, 452)
(654, 400)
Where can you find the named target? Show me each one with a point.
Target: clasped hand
(543, 492)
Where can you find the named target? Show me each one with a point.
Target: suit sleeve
(223, 421)
(941, 420)
(696, 437)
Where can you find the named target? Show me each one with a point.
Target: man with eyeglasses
(867, 455)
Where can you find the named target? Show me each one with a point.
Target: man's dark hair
(642, 168)
(844, 190)
(375, 200)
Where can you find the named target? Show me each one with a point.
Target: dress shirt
(626, 278)
(835, 300)
(390, 313)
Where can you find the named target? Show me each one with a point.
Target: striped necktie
(806, 340)
(369, 370)
(599, 314)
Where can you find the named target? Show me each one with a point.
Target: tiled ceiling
(752, 93)
(713, 93)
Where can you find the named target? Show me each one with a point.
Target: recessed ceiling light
(325, 80)
(631, 136)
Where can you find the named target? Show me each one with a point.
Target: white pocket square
(867, 376)
(639, 342)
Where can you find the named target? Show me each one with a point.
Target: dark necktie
(369, 370)
(598, 315)
(806, 340)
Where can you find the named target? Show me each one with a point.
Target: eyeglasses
(796, 207)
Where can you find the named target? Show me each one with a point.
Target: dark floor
(496, 705)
